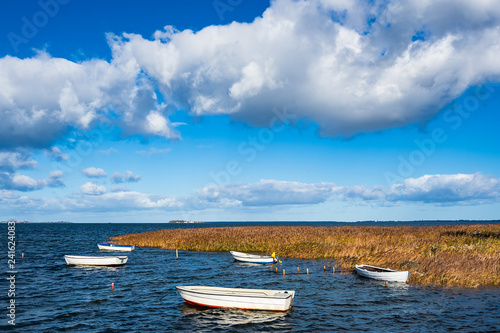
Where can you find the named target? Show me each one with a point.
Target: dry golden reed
(459, 255)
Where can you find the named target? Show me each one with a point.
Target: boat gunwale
(378, 269)
(283, 297)
(94, 257)
(250, 255)
(114, 245)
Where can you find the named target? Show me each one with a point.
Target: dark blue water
(52, 296)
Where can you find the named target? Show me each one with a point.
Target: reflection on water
(226, 318)
(97, 268)
(251, 264)
(53, 296)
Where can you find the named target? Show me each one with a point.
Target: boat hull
(115, 247)
(96, 261)
(382, 274)
(252, 258)
(237, 298)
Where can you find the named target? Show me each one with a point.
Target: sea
(41, 293)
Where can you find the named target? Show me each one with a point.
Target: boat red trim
(227, 307)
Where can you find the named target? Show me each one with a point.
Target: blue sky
(249, 110)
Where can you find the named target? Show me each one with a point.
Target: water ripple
(53, 296)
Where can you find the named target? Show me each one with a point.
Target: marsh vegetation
(459, 255)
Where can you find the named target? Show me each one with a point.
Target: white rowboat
(253, 258)
(239, 298)
(115, 247)
(96, 261)
(383, 274)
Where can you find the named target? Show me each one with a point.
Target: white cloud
(268, 193)
(118, 188)
(11, 161)
(25, 183)
(435, 190)
(467, 188)
(94, 172)
(350, 66)
(94, 198)
(458, 189)
(139, 201)
(361, 71)
(41, 97)
(57, 154)
(56, 174)
(92, 189)
(359, 192)
(157, 124)
(128, 177)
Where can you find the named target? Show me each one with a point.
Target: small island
(449, 256)
(183, 221)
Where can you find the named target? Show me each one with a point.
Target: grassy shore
(463, 255)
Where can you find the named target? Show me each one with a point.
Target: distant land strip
(448, 255)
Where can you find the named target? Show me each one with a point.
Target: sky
(237, 110)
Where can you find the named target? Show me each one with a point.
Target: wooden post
(276, 270)
(333, 270)
(324, 269)
(297, 270)
(386, 284)
(283, 272)
(307, 270)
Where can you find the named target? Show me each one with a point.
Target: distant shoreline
(183, 221)
(277, 222)
(54, 222)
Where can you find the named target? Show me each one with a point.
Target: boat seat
(281, 294)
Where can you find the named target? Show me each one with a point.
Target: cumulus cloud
(359, 192)
(119, 188)
(95, 198)
(447, 189)
(137, 201)
(90, 188)
(11, 161)
(42, 97)
(350, 66)
(19, 182)
(128, 177)
(268, 193)
(57, 154)
(458, 189)
(94, 172)
(54, 179)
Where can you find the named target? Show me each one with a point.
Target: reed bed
(460, 255)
